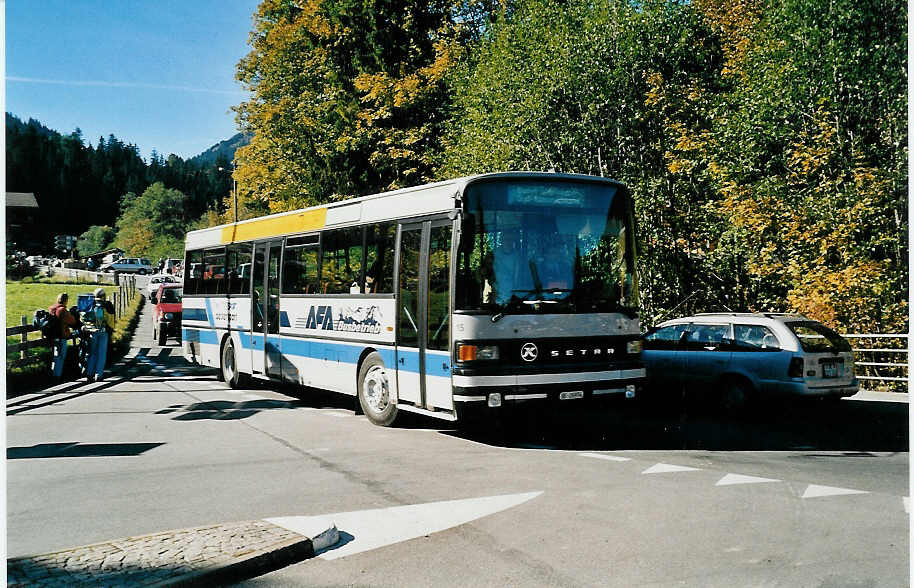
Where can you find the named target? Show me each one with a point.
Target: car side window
(707, 337)
(665, 337)
(754, 338)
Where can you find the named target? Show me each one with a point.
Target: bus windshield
(535, 246)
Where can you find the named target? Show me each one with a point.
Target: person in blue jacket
(102, 315)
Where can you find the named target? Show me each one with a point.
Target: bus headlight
(468, 352)
(633, 346)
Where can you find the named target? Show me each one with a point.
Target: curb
(197, 556)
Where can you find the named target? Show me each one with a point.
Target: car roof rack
(756, 314)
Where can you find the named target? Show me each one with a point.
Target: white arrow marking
(371, 529)
(606, 457)
(731, 479)
(662, 468)
(814, 491)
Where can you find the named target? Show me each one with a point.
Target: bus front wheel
(376, 398)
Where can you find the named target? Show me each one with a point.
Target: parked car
(129, 265)
(155, 281)
(737, 358)
(166, 312)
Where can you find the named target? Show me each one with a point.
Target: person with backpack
(102, 315)
(65, 320)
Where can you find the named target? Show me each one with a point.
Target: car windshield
(172, 295)
(546, 246)
(817, 338)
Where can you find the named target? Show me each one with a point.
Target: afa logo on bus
(358, 320)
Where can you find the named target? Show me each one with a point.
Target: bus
(458, 298)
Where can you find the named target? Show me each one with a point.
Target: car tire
(376, 398)
(735, 397)
(162, 336)
(142, 272)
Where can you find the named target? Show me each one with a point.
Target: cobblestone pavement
(200, 555)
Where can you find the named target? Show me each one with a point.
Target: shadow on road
(75, 449)
(850, 426)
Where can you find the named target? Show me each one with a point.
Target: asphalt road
(804, 495)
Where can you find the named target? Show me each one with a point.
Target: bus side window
(192, 264)
(238, 269)
(341, 262)
(379, 261)
(213, 272)
(299, 271)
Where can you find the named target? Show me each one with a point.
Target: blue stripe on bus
(435, 365)
(200, 336)
(194, 314)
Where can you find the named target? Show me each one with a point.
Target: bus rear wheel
(376, 398)
(229, 366)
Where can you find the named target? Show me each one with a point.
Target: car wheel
(376, 398)
(162, 336)
(142, 272)
(735, 397)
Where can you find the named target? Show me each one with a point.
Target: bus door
(423, 310)
(266, 358)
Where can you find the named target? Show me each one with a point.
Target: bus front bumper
(505, 391)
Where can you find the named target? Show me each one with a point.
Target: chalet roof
(21, 200)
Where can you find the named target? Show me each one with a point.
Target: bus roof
(406, 202)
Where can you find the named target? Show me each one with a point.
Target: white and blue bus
(474, 294)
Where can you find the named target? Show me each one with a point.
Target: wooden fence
(120, 299)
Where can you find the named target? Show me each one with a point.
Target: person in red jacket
(66, 321)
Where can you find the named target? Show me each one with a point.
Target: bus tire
(229, 366)
(375, 396)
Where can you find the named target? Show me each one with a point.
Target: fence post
(23, 337)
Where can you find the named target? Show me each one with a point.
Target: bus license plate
(570, 395)
(830, 370)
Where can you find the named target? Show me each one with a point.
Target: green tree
(95, 239)
(809, 157)
(606, 88)
(348, 97)
(152, 224)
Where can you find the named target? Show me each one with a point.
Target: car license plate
(572, 394)
(830, 370)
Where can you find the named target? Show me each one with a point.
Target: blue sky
(160, 74)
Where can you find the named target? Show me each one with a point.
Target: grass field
(22, 299)
(25, 299)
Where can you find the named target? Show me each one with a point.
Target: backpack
(47, 323)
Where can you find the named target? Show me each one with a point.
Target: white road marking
(815, 491)
(606, 457)
(371, 529)
(662, 468)
(731, 479)
(906, 501)
(338, 415)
